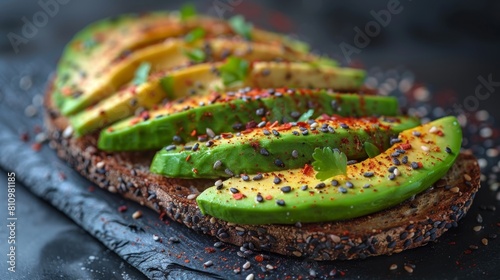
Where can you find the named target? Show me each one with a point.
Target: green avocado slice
(291, 147)
(94, 51)
(367, 187)
(204, 78)
(222, 112)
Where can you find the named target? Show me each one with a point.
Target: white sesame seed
(484, 241)
(433, 129)
(269, 267)
(409, 269)
(137, 214)
(192, 196)
(396, 172)
(454, 189)
(112, 189)
(424, 148)
(393, 266)
(68, 131)
(467, 177)
(100, 164)
(208, 263)
(218, 183)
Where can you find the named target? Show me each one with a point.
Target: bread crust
(411, 224)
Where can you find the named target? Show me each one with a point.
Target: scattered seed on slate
(368, 174)
(276, 180)
(484, 241)
(218, 244)
(259, 198)
(477, 228)
(320, 186)
(208, 264)
(174, 239)
(349, 184)
(280, 202)
(393, 266)
(246, 265)
(342, 190)
(408, 269)
(258, 177)
(295, 154)
(170, 147)
(286, 189)
(264, 152)
(304, 187)
(414, 165)
(250, 277)
(217, 164)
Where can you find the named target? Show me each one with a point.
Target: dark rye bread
(411, 224)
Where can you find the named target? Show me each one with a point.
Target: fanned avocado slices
(277, 147)
(232, 112)
(205, 77)
(420, 157)
(96, 49)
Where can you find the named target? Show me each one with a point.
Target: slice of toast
(411, 224)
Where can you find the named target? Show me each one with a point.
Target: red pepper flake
(122, 208)
(259, 258)
(268, 197)
(36, 147)
(145, 115)
(307, 170)
(226, 135)
(405, 146)
(420, 165)
(440, 133)
(134, 121)
(186, 260)
(193, 133)
(246, 131)
(188, 157)
(238, 196)
(209, 250)
(110, 129)
(195, 171)
(25, 137)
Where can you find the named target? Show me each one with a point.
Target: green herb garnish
(297, 45)
(167, 83)
(324, 61)
(234, 71)
(141, 74)
(306, 115)
(196, 55)
(371, 150)
(329, 162)
(187, 11)
(241, 27)
(194, 35)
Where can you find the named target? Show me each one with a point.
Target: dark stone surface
(447, 47)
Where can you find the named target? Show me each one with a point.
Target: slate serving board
(22, 84)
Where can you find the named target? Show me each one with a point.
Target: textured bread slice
(411, 224)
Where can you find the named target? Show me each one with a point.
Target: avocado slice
(291, 147)
(221, 112)
(203, 78)
(95, 49)
(368, 187)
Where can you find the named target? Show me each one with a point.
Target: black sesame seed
(414, 165)
(352, 161)
(266, 132)
(295, 114)
(335, 183)
(416, 133)
(238, 126)
(401, 151)
(280, 202)
(202, 138)
(320, 186)
(229, 172)
(304, 187)
(404, 160)
(286, 189)
(188, 148)
(395, 154)
(260, 112)
(170, 147)
(209, 143)
(234, 190)
(391, 169)
(296, 133)
(395, 140)
(366, 186)
(276, 180)
(264, 152)
(305, 132)
(278, 162)
(448, 150)
(195, 147)
(392, 176)
(396, 161)
(259, 198)
(295, 154)
(342, 190)
(177, 139)
(257, 177)
(368, 174)
(344, 126)
(349, 184)
(275, 132)
(245, 178)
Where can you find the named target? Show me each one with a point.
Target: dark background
(445, 47)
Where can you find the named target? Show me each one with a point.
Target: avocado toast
(384, 183)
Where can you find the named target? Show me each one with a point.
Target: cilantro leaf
(324, 61)
(141, 73)
(194, 35)
(297, 45)
(187, 11)
(306, 115)
(196, 55)
(329, 162)
(234, 71)
(241, 27)
(371, 150)
(167, 83)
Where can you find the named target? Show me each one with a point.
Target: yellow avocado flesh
(430, 155)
